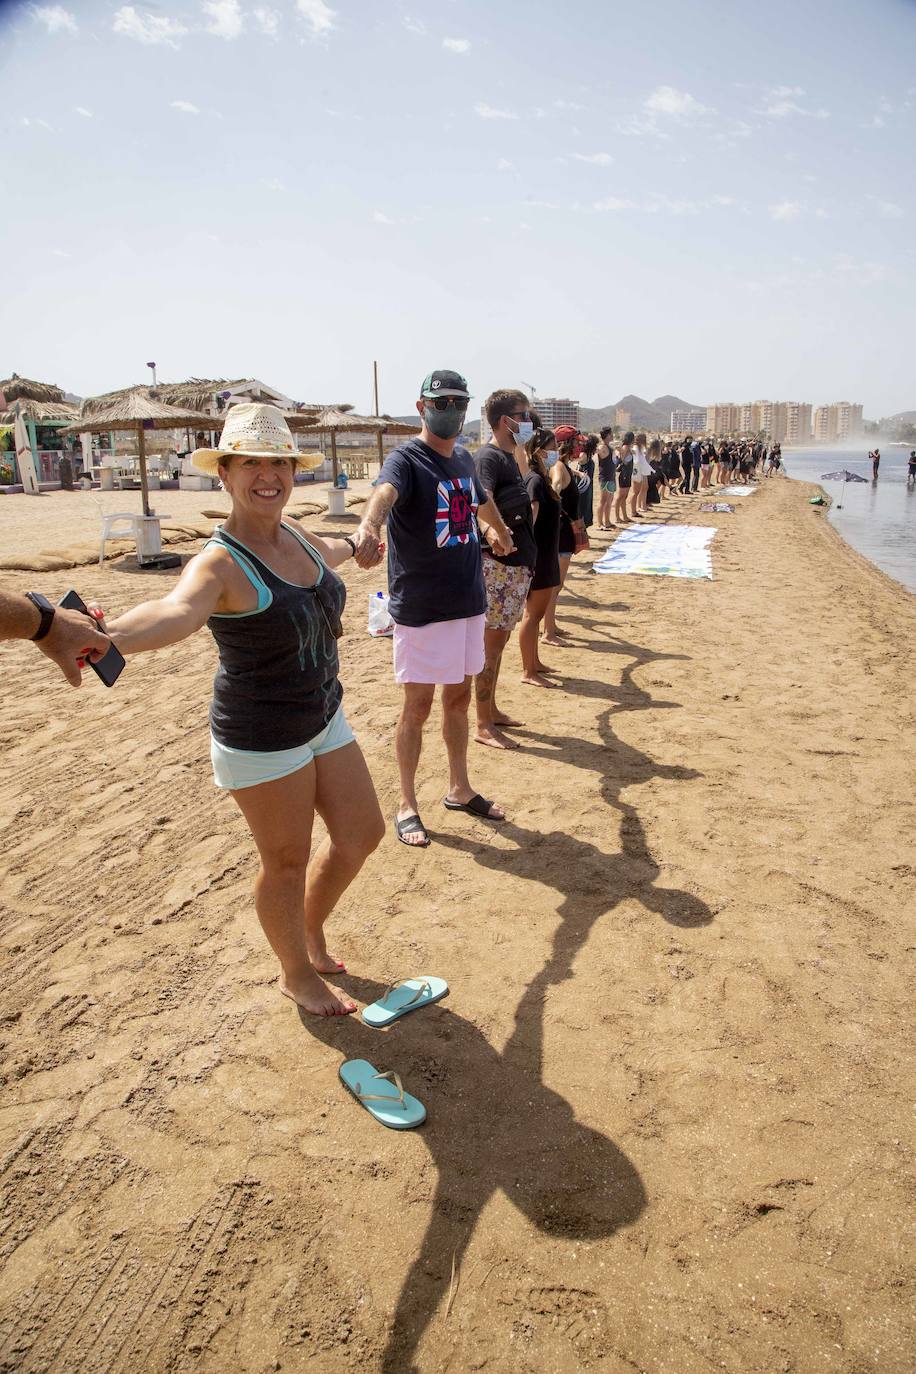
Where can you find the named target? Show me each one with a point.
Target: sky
(592, 198)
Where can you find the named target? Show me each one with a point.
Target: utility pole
(381, 450)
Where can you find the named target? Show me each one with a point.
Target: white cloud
(667, 100)
(888, 210)
(59, 253)
(81, 110)
(152, 29)
(224, 18)
(781, 101)
(457, 45)
(319, 16)
(274, 184)
(55, 18)
(267, 20)
(785, 210)
(504, 165)
(876, 122)
(379, 217)
(599, 159)
(862, 273)
(567, 105)
(485, 111)
(185, 107)
(414, 25)
(28, 123)
(658, 204)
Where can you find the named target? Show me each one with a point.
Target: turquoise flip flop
(402, 996)
(390, 1105)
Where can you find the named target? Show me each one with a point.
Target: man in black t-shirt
(428, 494)
(507, 577)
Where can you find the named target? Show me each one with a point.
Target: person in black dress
(626, 456)
(564, 484)
(545, 505)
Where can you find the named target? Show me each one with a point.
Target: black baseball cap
(445, 383)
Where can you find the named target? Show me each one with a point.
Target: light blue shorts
(234, 769)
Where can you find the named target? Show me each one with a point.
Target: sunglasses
(520, 415)
(447, 402)
(328, 608)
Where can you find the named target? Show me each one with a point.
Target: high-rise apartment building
(837, 422)
(723, 418)
(555, 410)
(797, 423)
(623, 419)
(688, 421)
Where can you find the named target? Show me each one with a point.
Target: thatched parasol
(334, 421)
(39, 412)
(17, 388)
(136, 410)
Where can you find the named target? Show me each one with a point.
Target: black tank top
(276, 686)
(569, 500)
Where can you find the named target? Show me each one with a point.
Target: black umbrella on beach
(844, 476)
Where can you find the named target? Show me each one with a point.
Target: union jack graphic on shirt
(455, 511)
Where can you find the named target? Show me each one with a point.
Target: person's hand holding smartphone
(111, 665)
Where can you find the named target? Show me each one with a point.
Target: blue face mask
(550, 457)
(524, 432)
(445, 424)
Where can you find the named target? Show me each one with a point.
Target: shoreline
(670, 1072)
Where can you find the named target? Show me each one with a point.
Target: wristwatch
(45, 610)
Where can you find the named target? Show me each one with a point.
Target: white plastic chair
(110, 530)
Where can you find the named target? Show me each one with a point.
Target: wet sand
(668, 1094)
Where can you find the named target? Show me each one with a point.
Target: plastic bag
(380, 622)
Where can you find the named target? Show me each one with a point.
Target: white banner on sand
(660, 551)
(739, 491)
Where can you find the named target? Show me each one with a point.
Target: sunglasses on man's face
(448, 402)
(520, 415)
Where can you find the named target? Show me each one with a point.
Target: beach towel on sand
(660, 551)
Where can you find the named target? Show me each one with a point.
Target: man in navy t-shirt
(427, 494)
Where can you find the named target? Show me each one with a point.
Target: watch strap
(45, 609)
(347, 540)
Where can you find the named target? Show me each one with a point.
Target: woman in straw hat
(280, 743)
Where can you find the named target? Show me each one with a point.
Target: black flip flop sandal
(477, 806)
(411, 825)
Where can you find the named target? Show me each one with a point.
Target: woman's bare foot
(543, 668)
(554, 640)
(500, 719)
(489, 734)
(319, 958)
(535, 680)
(314, 995)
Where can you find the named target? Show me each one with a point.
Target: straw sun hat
(254, 430)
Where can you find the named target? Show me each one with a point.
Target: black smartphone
(111, 665)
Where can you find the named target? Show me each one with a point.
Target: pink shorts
(445, 652)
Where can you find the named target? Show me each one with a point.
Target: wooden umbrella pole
(333, 457)
(141, 445)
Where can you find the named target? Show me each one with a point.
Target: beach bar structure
(46, 413)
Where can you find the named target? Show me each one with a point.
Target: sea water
(879, 518)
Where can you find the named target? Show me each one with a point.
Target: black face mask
(445, 424)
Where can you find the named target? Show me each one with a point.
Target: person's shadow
(493, 1123)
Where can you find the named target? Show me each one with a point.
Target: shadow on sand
(493, 1123)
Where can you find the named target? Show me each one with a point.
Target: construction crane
(532, 388)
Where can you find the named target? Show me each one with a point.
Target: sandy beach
(668, 1096)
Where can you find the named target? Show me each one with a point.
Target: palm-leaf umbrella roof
(40, 412)
(16, 388)
(137, 409)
